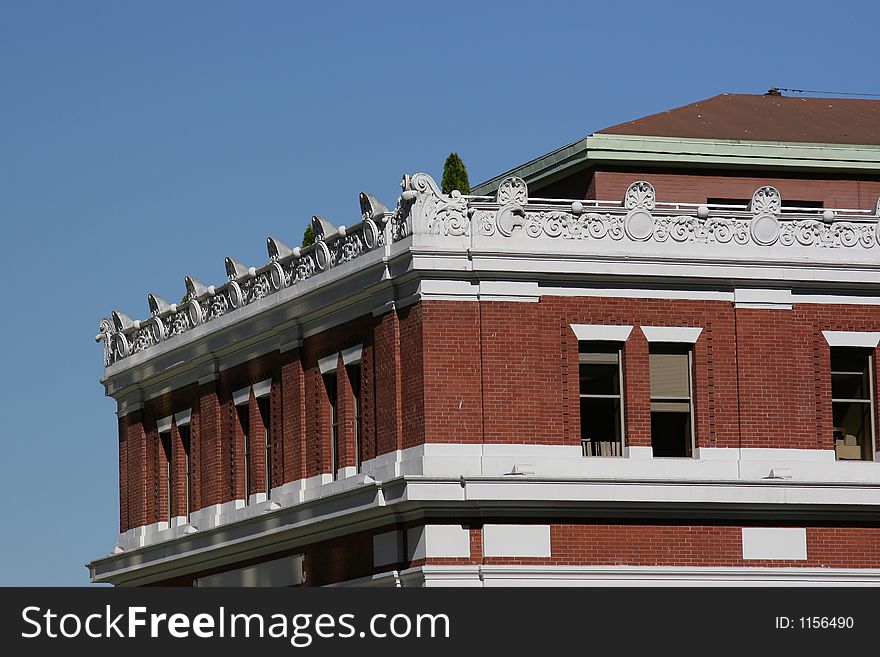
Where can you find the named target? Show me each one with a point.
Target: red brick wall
(697, 187)
(707, 545)
(494, 372)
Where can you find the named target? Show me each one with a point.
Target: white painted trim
(328, 363)
(164, 424)
(636, 293)
(768, 299)
(433, 575)
(868, 339)
(387, 548)
(474, 473)
(602, 332)
(788, 543)
(516, 540)
(837, 299)
(242, 396)
(287, 571)
(183, 418)
(262, 388)
(431, 541)
(517, 291)
(687, 334)
(352, 355)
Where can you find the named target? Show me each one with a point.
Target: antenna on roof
(775, 91)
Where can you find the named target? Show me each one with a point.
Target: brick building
(646, 357)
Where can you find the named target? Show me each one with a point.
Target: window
(188, 474)
(263, 405)
(244, 424)
(852, 403)
(354, 377)
(601, 398)
(168, 451)
(672, 416)
(330, 385)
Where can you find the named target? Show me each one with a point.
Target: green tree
(308, 236)
(455, 175)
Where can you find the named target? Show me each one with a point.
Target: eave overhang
(610, 149)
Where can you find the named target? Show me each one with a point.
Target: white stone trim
(517, 291)
(352, 355)
(769, 299)
(242, 396)
(388, 548)
(774, 543)
(287, 571)
(437, 575)
(602, 332)
(868, 339)
(164, 424)
(263, 388)
(431, 541)
(516, 540)
(346, 471)
(719, 464)
(475, 474)
(328, 363)
(686, 334)
(635, 293)
(183, 418)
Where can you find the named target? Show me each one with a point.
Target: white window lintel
(602, 332)
(328, 363)
(352, 355)
(688, 334)
(868, 339)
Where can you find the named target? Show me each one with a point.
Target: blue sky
(143, 142)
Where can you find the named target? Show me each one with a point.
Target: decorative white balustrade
(423, 209)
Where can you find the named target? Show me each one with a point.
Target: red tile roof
(765, 118)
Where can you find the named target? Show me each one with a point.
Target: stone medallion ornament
(764, 227)
(640, 199)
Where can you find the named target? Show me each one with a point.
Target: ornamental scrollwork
(692, 229)
(811, 232)
(766, 200)
(568, 226)
(512, 190)
(447, 215)
(640, 195)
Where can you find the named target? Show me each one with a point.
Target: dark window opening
(330, 385)
(263, 405)
(601, 401)
(852, 403)
(672, 414)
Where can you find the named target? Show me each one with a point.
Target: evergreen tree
(308, 236)
(455, 175)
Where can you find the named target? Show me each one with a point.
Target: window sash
(671, 388)
(602, 354)
(851, 356)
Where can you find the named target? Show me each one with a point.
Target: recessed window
(244, 425)
(852, 403)
(168, 474)
(672, 416)
(330, 385)
(600, 398)
(184, 432)
(354, 378)
(265, 419)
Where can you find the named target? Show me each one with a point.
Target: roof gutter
(713, 153)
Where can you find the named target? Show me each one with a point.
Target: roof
(768, 117)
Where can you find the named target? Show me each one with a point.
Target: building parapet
(512, 223)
